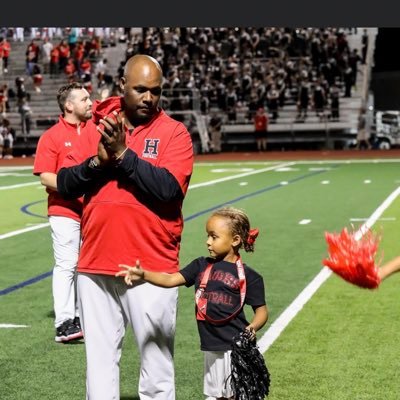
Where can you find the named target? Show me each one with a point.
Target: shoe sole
(64, 339)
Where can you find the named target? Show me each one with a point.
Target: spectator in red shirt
(95, 46)
(64, 54)
(70, 70)
(78, 54)
(261, 128)
(54, 62)
(5, 49)
(86, 69)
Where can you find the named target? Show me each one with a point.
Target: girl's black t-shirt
(223, 299)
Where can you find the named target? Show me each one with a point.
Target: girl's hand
(252, 331)
(131, 274)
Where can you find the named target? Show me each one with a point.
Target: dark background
(200, 13)
(385, 82)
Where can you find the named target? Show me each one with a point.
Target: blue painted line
(193, 216)
(246, 196)
(25, 283)
(25, 210)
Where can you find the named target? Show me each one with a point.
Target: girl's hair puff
(239, 224)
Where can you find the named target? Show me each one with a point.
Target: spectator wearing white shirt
(46, 48)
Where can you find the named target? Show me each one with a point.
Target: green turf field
(342, 345)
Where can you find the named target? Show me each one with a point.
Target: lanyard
(201, 300)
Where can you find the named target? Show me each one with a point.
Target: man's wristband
(93, 164)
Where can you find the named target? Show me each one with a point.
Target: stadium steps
(44, 104)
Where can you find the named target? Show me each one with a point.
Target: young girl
(223, 285)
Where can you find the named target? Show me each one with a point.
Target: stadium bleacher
(203, 60)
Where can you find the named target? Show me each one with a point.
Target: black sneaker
(77, 323)
(68, 331)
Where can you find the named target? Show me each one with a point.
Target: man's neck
(132, 123)
(70, 119)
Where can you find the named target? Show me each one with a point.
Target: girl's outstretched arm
(389, 268)
(137, 273)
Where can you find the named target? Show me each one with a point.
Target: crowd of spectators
(72, 56)
(70, 53)
(248, 68)
(231, 70)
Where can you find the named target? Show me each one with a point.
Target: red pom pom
(352, 259)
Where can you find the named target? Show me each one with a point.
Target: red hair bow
(253, 233)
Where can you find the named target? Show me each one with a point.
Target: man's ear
(122, 83)
(68, 106)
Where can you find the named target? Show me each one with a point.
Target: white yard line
(350, 161)
(24, 230)
(234, 163)
(313, 162)
(229, 178)
(19, 185)
(365, 219)
(284, 319)
(15, 174)
(3, 326)
(16, 168)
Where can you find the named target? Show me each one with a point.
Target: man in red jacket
(64, 215)
(134, 171)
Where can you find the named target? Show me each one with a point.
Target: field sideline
(344, 338)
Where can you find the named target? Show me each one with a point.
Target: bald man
(133, 170)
